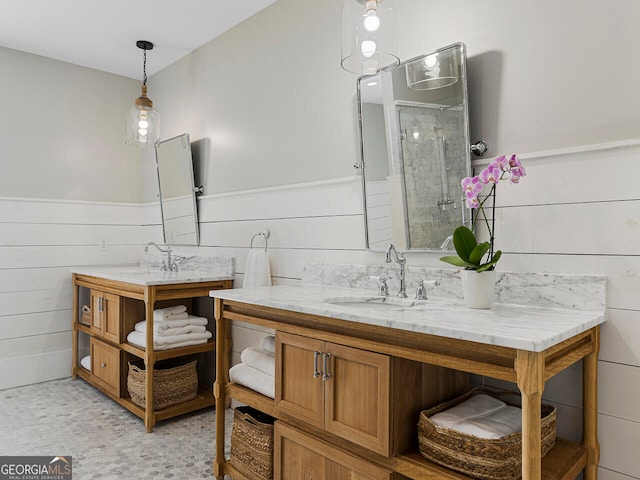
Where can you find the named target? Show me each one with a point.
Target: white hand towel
(268, 343)
(164, 330)
(164, 327)
(476, 406)
(253, 378)
(260, 359)
(257, 272)
(140, 339)
(159, 316)
(172, 310)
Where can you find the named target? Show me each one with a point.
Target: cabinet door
(357, 397)
(111, 317)
(96, 310)
(299, 456)
(105, 365)
(105, 315)
(299, 387)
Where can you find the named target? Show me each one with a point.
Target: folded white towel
(140, 339)
(268, 343)
(160, 325)
(475, 406)
(260, 359)
(159, 316)
(172, 310)
(253, 378)
(162, 330)
(481, 416)
(86, 362)
(257, 272)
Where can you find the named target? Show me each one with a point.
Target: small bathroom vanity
(120, 297)
(351, 380)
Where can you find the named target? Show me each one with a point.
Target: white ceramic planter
(478, 288)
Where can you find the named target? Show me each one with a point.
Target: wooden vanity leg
(74, 329)
(149, 359)
(219, 387)
(530, 375)
(590, 408)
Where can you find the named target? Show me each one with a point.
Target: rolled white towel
(253, 378)
(260, 359)
(86, 362)
(268, 343)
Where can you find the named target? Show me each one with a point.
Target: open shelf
(171, 352)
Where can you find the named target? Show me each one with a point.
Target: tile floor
(105, 441)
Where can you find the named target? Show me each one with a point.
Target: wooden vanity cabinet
(359, 422)
(343, 390)
(116, 307)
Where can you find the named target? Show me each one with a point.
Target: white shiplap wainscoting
(39, 240)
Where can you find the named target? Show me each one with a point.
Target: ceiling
(102, 34)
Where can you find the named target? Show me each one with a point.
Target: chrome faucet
(400, 260)
(170, 264)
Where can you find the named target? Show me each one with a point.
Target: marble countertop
(514, 326)
(144, 275)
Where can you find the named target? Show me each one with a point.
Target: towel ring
(264, 234)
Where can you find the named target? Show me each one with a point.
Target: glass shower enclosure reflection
(415, 150)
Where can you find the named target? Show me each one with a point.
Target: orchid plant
(471, 254)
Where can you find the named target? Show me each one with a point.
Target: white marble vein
(522, 327)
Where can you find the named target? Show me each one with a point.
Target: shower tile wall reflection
(432, 188)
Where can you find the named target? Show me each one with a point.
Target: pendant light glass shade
(143, 121)
(437, 70)
(368, 36)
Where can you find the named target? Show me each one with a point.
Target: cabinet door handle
(99, 304)
(316, 372)
(325, 367)
(103, 365)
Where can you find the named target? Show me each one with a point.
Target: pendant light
(143, 121)
(438, 70)
(368, 36)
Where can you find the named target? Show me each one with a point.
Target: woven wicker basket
(486, 459)
(85, 319)
(172, 384)
(252, 443)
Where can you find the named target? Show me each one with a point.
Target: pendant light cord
(144, 67)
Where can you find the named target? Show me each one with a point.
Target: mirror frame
(188, 160)
(465, 216)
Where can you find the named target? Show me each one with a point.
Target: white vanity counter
(522, 327)
(142, 275)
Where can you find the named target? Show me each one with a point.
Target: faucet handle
(383, 288)
(421, 291)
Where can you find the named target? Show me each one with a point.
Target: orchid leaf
(478, 252)
(457, 262)
(464, 241)
(489, 265)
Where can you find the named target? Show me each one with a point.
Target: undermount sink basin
(387, 303)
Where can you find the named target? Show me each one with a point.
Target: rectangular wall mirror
(415, 150)
(177, 191)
